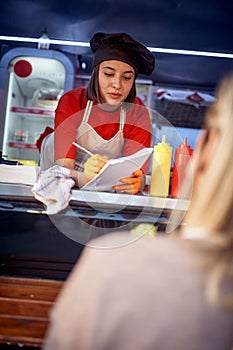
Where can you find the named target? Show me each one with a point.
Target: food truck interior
(192, 44)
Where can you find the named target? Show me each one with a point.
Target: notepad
(115, 169)
(19, 174)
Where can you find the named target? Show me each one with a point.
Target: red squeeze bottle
(182, 159)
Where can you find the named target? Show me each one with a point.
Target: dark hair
(93, 91)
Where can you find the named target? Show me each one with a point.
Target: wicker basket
(181, 114)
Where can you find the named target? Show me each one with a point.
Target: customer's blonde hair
(212, 200)
(211, 206)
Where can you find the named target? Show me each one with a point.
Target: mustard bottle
(161, 168)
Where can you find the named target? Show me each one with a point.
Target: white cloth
(53, 188)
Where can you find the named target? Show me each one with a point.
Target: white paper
(19, 174)
(115, 169)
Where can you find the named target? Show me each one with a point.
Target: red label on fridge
(32, 111)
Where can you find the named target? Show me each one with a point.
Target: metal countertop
(98, 199)
(95, 205)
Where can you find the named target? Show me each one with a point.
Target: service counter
(33, 243)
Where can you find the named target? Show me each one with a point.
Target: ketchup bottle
(182, 160)
(161, 169)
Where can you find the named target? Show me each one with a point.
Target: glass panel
(35, 85)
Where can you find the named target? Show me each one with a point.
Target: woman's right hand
(93, 165)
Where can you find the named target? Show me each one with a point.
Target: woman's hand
(93, 166)
(133, 184)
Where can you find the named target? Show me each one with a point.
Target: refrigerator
(31, 83)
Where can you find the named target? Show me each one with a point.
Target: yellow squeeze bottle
(161, 168)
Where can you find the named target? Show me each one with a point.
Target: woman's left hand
(131, 185)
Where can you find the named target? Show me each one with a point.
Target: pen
(82, 148)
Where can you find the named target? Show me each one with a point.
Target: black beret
(122, 47)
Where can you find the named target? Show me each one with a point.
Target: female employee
(105, 117)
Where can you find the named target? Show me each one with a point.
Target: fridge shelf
(34, 111)
(23, 145)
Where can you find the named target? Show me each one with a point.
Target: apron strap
(87, 111)
(122, 118)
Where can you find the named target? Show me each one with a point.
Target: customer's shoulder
(122, 246)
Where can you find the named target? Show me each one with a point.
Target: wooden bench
(24, 309)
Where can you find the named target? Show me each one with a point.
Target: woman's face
(116, 79)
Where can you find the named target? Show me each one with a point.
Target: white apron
(88, 138)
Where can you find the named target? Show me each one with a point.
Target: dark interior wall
(171, 24)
